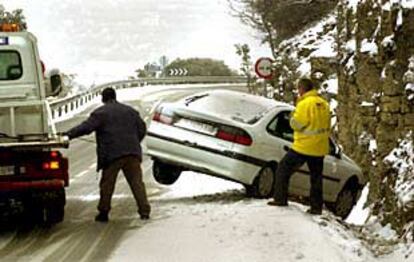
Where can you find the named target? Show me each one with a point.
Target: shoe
(102, 217)
(314, 211)
(277, 203)
(144, 217)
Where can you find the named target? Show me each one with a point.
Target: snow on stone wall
(402, 160)
(408, 79)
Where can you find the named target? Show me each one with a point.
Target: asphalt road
(79, 237)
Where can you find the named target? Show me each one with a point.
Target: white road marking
(92, 166)
(81, 173)
(145, 168)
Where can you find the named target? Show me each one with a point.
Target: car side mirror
(54, 84)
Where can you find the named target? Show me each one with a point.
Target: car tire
(263, 184)
(345, 201)
(165, 174)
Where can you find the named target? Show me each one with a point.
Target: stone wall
(375, 101)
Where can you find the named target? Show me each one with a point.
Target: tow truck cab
(33, 173)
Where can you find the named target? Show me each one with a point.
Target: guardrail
(63, 106)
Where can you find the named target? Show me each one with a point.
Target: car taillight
(54, 154)
(234, 135)
(243, 140)
(162, 117)
(51, 165)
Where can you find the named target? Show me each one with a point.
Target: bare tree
(277, 20)
(246, 66)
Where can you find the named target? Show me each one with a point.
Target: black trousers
(288, 165)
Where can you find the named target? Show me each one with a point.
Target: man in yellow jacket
(311, 124)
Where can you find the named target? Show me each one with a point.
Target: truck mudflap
(50, 184)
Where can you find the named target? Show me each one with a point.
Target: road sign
(178, 72)
(264, 68)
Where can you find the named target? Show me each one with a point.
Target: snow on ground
(203, 218)
(209, 219)
(360, 213)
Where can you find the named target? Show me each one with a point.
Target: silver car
(241, 137)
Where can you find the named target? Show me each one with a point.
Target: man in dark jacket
(119, 131)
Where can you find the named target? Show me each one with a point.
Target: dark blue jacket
(119, 129)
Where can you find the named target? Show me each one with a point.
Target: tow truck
(33, 172)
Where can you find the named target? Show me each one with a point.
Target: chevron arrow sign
(178, 72)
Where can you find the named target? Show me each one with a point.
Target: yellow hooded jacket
(311, 122)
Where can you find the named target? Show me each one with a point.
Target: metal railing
(62, 106)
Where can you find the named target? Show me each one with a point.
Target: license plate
(6, 170)
(196, 126)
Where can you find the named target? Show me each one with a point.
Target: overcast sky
(102, 40)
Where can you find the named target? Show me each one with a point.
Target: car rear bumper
(225, 164)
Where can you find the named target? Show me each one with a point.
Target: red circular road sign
(263, 67)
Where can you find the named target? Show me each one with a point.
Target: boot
(102, 217)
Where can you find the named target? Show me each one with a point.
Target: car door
(280, 139)
(331, 175)
(281, 136)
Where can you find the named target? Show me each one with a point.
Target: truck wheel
(54, 209)
(33, 213)
(263, 184)
(164, 173)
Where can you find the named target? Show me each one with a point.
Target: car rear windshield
(10, 65)
(240, 108)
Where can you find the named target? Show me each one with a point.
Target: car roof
(230, 105)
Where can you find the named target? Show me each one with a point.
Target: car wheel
(345, 201)
(164, 173)
(263, 183)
